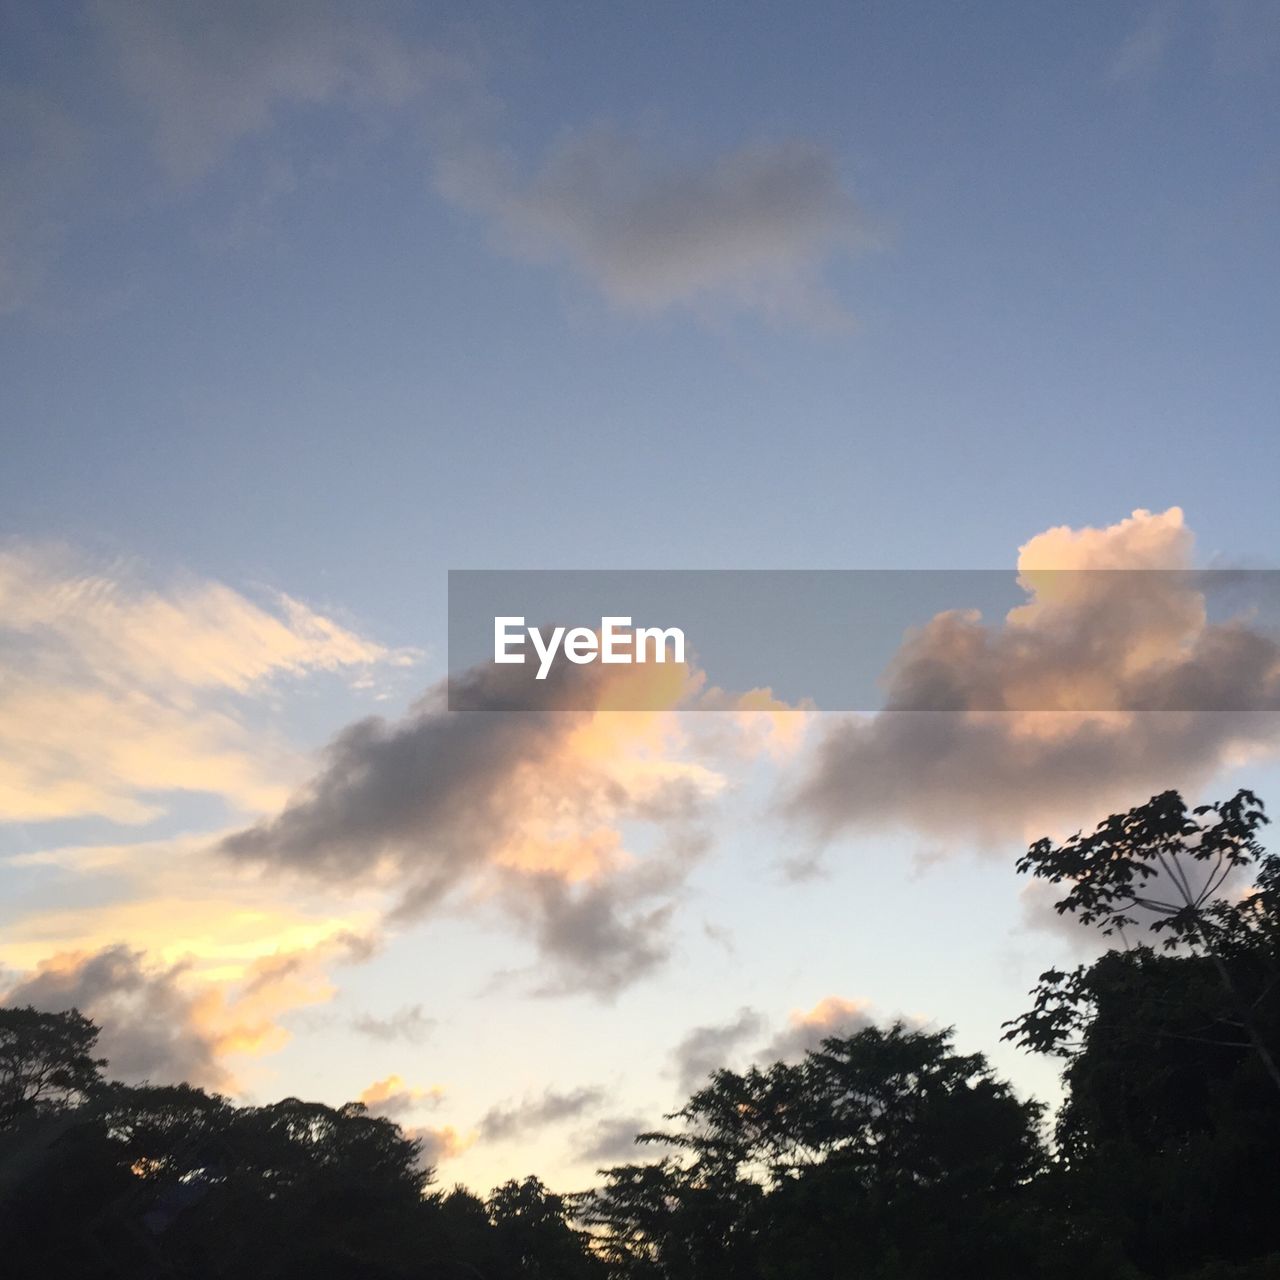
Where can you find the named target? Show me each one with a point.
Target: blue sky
(323, 301)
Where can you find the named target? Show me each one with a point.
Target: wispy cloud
(410, 1025)
(118, 689)
(514, 1120)
(1144, 50)
(750, 229)
(211, 75)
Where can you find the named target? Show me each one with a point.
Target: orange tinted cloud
(528, 809)
(393, 1097)
(1081, 641)
(116, 688)
(832, 1016)
(166, 1023)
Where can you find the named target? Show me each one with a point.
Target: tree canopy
(889, 1154)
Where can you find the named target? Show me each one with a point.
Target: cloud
(169, 899)
(189, 88)
(1144, 50)
(439, 1144)
(210, 75)
(150, 1027)
(201, 88)
(711, 1048)
(1209, 691)
(166, 1023)
(409, 1024)
(502, 1123)
(117, 689)
(832, 1017)
(613, 1141)
(393, 1098)
(524, 810)
(707, 1049)
(1227, 37)
(752, 229)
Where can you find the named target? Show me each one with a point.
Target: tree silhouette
(1164, 867)
(46, 1062)
(884, 1155)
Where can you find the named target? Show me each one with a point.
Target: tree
(1170, 1129)
(883, 1154)
(533, 1235)
(1163, 867)
(46, 1062)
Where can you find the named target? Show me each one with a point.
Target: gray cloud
(707, 1049)
(752, 229)
(211, 74)
(148, 1022)
(711, 1048)
(613, 1141)
(201, 84)
(601, 936)
(410, 1025)
(502, 1123)
(501, 803)
(182, 86)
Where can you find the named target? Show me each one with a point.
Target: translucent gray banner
(1084, 640)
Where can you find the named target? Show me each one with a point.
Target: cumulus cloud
(707, 1049)
(754, 228)
(160, 1023)
(953, 768)
(513, 1120)
(521, 809)
(409, 1024)
(117, 689)
(831, 1018)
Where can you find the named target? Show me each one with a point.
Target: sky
(304, 305)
